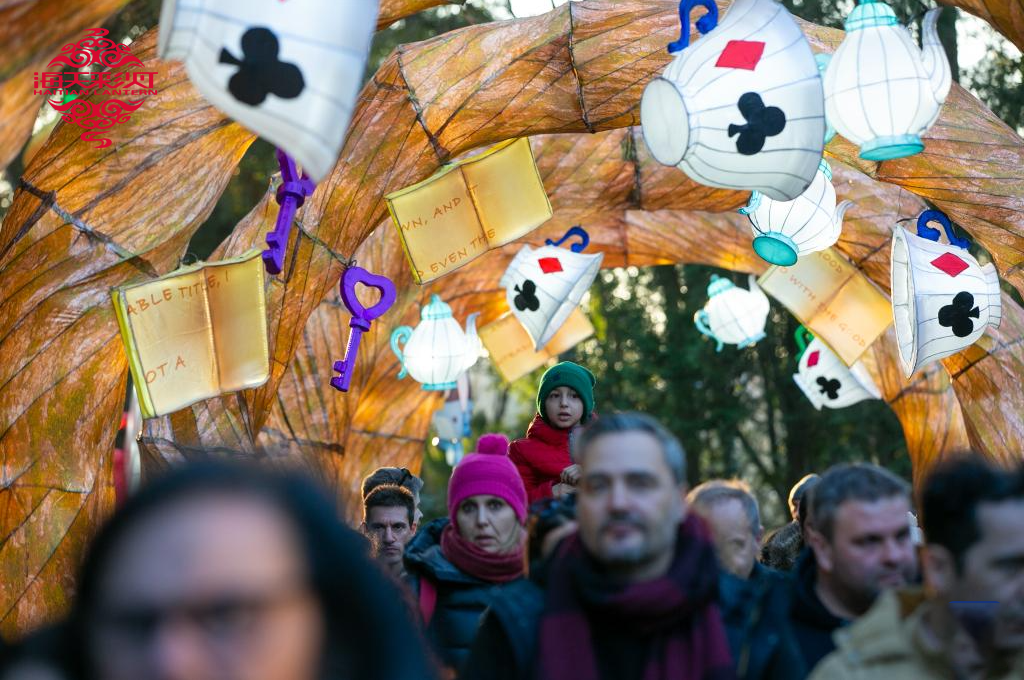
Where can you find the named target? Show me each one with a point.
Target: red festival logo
(95, 118)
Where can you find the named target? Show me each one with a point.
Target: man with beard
(860, 544)
(969, 620)
(388, 513)
(632, 594)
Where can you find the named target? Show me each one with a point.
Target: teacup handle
(577, 231)
(803, 338)
(924, 231)
(704, 24)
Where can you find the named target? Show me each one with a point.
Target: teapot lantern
(437, 352)
(733, 315)
(882, 91)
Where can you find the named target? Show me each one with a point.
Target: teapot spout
(936, 64)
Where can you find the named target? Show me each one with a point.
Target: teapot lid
(870, 14)
(719, 285)
(437, 309)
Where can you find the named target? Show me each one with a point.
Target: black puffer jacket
(461, 598)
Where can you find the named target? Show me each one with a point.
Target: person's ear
(939, 568)
(415, 527)
(820, 545)
(363, 529)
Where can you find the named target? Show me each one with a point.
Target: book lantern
(743, 107)
(544, 285)
(437, 352)
(195, 333)
(825, 380)
(882, 91)
(291, 75)
(942, 299)
(511, 349)
(468, 207)
(786, 230)
(732, 315)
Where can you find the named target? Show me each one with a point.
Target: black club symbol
(829, 387)
(527, 297)
(762, 122)
(957, 315)
(259, 71)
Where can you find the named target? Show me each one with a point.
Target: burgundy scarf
(677, 611)
(491, 567)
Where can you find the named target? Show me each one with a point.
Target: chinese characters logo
(95, 117)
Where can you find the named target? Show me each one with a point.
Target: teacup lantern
(437, 351)
(825, 380)
(942, 299)
(786, 230)
(881, 91)
(544, 285)
(733, 315)
(743, 107)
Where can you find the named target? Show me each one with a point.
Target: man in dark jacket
(860, 544)
(783, 546)
(632, 595)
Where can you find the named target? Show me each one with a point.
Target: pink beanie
(487, 472)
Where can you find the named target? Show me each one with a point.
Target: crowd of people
(575, 553)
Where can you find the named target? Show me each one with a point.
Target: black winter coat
(812, 623)
(461, 598)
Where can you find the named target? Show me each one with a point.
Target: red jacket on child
(540, 457)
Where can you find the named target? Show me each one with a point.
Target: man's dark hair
(389, 496)
(392, 475)
(362, 608)
(628, 421)
(851, 482)
(952, 494)
(799, 492)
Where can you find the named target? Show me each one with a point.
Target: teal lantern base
(887, 148)
(776, 248)
(438, 387)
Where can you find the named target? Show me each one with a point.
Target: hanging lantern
(825, 380)
(742, 108)
(733, 315)
(290, 75)
(786, 230)
(437, 351)
(452, 424)
(544, 286)
(881, 91)
(511, 349)
(942, 299)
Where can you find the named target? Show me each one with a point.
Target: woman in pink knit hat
(459, 564)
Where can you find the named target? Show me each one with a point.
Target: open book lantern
(743, 107)
(437, 351)
(468, 207)
(512, 350)
(195, 333)
(732, 315)
(942, 299)
(825, 380)
(544, 285)
(881, 91)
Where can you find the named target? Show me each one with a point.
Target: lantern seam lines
(417, 108)
(576, 74)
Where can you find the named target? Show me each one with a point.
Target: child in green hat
(565, 400)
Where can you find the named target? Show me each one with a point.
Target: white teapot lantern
(437, 351)
(544, 285)
(787, 230)
(825, 380)
(881, 91)
(742, 108)
(733, 315)
(942, 299)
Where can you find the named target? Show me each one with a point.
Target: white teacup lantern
(825, 380)
(743, 107)
(882, 91)
(437, 351)
(732, 315)
(942, 299)
(544, 285)
(786, 230)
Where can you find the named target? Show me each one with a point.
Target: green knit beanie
(572, 375)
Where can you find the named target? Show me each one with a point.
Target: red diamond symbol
(812, 358)
(950, 264)
(741, 54)
(549, 265)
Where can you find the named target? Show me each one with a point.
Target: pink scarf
(491, 567)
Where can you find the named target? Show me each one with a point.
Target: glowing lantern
(437, 351)
(942, 299)
(786, 230)
(825, 380)
(733, 315)
(881, 91)
(742, 108)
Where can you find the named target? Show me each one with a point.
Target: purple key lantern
(290, 196)
(361, 317)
